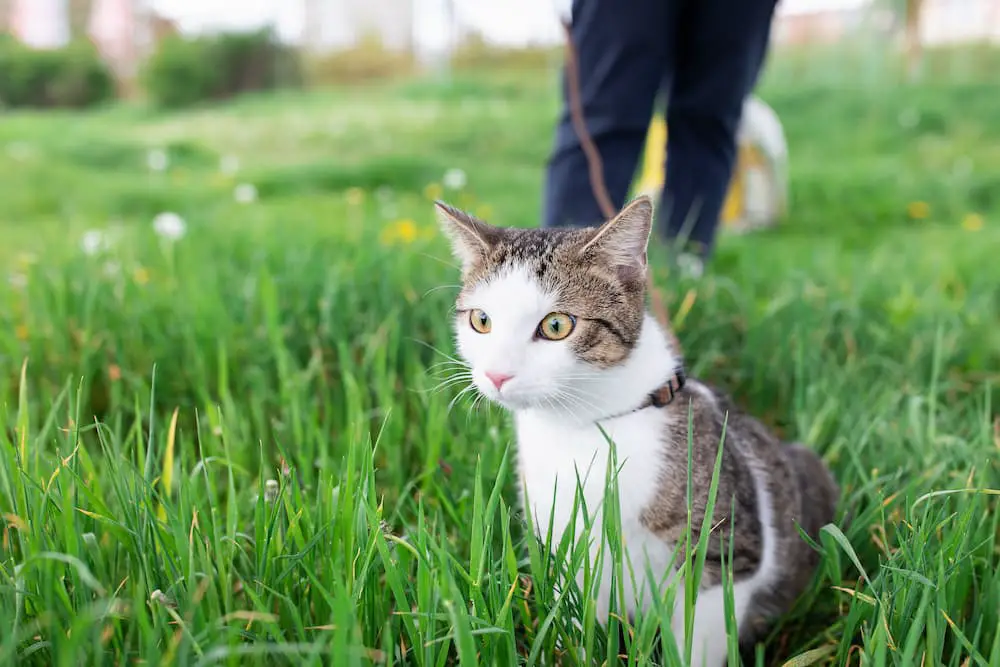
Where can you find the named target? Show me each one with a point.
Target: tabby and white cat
(553, 326)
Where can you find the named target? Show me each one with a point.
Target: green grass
(229, 449)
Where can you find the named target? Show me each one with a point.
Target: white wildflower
(160, 597)
(245, 193)
(157, 160)
(169, 225)
(384, 194)
(92, 242)
(229, 164)
(270, 490)
(454, 179)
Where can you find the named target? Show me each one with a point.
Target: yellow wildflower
(21, 331)
(484, 212)
(141, 275)
(972, 222)
(918, 210)
(355, 196)
(402, 231)
(406, 230)
(433, 191)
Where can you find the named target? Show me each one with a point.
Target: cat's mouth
(506, 398)
(517, 395)
(510, 395)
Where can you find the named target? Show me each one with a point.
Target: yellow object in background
(757, 194)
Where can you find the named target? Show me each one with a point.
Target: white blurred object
(111, 26)
(564, 9)
(436, 34)
(454, 179)
(762, 169)
(229, 165)
(43, 24)
(245, 193)
(92, 242)
(333, 25)
(169, 225)
(157, 160)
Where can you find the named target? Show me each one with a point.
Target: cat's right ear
(471, 238)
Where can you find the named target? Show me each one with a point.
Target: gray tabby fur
(610, 297)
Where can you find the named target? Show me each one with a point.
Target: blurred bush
(366, 61)
(72, 76)
(187, 71)
(370, 60)
(476, 53)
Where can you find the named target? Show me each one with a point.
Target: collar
(660, 397)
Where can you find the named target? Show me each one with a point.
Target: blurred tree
(79, 17)
(911, 13)
(914, 48)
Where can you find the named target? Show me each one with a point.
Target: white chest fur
(555, 457)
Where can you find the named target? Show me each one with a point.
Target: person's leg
(718, 57)
(622, 51)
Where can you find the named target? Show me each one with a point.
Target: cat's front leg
(709, 641)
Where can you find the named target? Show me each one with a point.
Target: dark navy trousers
(703, 57)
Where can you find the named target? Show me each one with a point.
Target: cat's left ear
(623, 240)
(471, 238)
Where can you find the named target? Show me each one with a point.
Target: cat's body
(554, 327)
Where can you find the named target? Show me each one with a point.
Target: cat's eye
(480, 321)
(556, 326)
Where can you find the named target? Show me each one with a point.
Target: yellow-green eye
(480, 321)
(556, 326)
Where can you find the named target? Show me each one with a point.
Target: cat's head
(543, 313)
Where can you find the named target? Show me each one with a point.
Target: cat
(553, 326)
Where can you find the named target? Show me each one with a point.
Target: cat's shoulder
(712, 409)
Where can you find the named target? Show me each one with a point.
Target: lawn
(233, 445)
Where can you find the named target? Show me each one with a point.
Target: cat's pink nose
(498, 379)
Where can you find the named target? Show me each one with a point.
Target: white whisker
(439, 287)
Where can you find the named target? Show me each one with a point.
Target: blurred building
(43, 24)
(121, 31)
(960, 21)
(332, 25)
(819, 22)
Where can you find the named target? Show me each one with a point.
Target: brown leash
(596, 171)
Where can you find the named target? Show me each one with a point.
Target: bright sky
(509, 21)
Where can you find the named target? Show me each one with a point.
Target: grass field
(227, 447)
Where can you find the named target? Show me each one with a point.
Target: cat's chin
(540, 404)
(510, 402)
